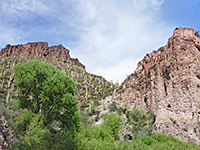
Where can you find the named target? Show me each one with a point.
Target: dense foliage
(108, 131)
(48, 118)
(89, 87)
(154, 142)
(105, 136)
(46, 97)
(48, 91)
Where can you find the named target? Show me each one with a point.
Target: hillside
(160, 96)
(90, 88)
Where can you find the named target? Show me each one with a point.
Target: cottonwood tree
(45, 90)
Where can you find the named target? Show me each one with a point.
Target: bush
(113, 122)
(98, 133)
(108, 131)
(157, 141)
(112, 107)
(141, 122)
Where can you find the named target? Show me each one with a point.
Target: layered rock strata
(40, 49)
(167, 82)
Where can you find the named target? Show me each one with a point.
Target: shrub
(157, 141)
(112, 107)
(113, 122)
(108, 131)
(141, 122)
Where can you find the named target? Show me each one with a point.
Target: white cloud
(22, 8)
(108, 36)
(116, 72)
(156, 3)
(144, 4)
(13, 12)
(118, 35)
(9, 35)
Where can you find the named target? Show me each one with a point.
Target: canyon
(165, 82)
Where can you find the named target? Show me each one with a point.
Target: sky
(108, 36)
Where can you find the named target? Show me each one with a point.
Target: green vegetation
(44, 89)
(97, 87)
(46, 97)
(89, 87)
(141, 122)
(105, 137)
(38, 101)
(108, 131)
(154, 142)
(174, 121)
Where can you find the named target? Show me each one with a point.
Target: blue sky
(108, 36)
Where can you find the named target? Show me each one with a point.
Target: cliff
(41, 49)
(167, 82)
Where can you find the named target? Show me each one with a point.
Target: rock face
(6, 135)
(167, 82)
(41, 49)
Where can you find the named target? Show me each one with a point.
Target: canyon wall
(167, 82)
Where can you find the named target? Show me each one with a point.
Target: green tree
(38, 137)
(44, 89)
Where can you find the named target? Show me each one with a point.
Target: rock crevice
(167, 82)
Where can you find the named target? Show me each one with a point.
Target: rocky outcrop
(6, 135)
(167, 82)
(40, 49)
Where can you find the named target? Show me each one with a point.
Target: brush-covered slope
(90, 88)
(167, 82)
